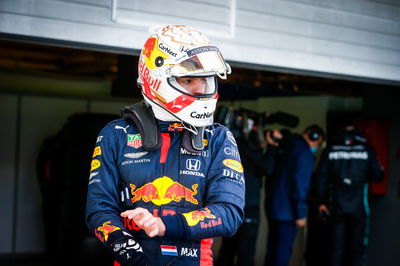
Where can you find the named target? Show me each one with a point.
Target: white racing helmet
(180, 51)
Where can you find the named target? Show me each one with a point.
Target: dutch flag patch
(169, 250)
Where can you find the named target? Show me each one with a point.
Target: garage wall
(8, 120)
(40, 117)
(28, 120)
(357, 38)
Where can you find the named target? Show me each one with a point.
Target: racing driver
(164, 178)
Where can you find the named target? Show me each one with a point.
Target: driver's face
(193, 85)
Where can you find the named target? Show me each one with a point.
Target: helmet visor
(202, 61)
(195, 86)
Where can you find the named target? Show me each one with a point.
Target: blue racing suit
(198, 196)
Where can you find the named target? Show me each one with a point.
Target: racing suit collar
(169, 126)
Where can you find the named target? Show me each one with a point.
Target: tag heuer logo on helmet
(134, 140)
(201, 116)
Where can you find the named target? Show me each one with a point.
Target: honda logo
(193, 164)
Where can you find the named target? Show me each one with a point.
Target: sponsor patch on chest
(134, 140)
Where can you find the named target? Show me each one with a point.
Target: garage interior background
(41, 86)
(44, 80)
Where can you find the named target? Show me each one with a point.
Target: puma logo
(123, 128)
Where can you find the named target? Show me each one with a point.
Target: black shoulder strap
(198, 140)
(144, 119)
(194, 143)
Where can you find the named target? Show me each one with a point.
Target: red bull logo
(162, 191)
(175, 127)
(177, 192)
(105, 230)
(196, 216)
(149, 81)
(146, 193)
(149, 47)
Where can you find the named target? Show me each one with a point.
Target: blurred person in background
(240, 249)
(342, 179)
(289, 163)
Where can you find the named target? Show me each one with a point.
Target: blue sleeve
(301, 182)
(225, 192)
(102, 206)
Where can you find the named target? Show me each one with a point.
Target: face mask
(314, 149)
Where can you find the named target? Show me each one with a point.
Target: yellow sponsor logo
(233, 164)
(106, 229)
(95, 164)
(205, 142)
(196, 216)
(97, 151)
(162, 191)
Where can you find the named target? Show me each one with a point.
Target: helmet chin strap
(189, 127)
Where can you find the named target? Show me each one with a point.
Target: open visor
(202, 61)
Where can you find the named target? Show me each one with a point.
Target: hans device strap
(144, 119)
(142, 115)
(193, 143)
